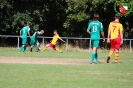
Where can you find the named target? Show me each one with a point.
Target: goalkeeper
(34, 41)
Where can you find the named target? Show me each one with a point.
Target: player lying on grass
(23, 34)
(34, 41)
(54, 41)
(94, 29)
(115, 37)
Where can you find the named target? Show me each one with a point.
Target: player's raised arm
(61, 39)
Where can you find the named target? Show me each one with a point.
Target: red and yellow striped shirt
(115, 29)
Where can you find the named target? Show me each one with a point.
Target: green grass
(101, 75)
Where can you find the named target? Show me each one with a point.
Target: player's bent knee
(48, 45)
(117, 50)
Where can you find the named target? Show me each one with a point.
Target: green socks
(37, 47)
(31, 49)
(96, 56)
(24, 48)
(21, 48)
(93, 57)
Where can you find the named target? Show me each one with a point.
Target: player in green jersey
(34, 41)
(23, 34)
(94, 29)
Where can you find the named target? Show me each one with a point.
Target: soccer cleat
(108, 59)
(91, 62)
(25, 52)
(37, 50)
(43, 50)
(61, 51)
(116, 62)
(97, 62)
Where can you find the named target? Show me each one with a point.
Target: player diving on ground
(54, 41)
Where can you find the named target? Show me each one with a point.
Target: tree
(69, 17)
(80, 13)
(45, 14)
(77, 18)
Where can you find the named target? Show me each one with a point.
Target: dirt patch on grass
(30, 60)
(54, 61)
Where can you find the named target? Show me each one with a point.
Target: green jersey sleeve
(101, 26)
(36, 34)
(28, 29)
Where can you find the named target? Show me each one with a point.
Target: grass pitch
(101, 75)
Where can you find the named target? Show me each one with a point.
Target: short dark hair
(55, 30)
(117, 16)
(29, 23)
(42, 31)
(96, 16)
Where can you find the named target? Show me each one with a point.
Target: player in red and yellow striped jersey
(54, 41)
(115, 37)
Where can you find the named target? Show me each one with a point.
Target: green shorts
(95, 43)
(33, 42)
(24, 40)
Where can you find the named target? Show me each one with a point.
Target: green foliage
(76, 17)
(19, 19)
(69, 17)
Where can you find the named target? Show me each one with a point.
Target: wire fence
(71, 42)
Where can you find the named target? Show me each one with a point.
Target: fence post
(43, 42)
(67, 44)
(18, 42)
(130, 46)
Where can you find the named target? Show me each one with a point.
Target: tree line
(69, 17)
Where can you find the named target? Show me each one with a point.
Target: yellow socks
(116, 57)
(54, 49)
(58, 50)
(44, 49)
(111, 52)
